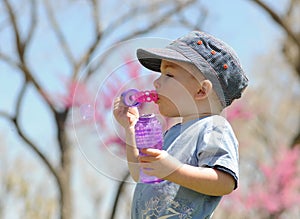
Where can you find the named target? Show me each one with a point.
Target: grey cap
(216, 61)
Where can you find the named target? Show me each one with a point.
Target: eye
(169, 75)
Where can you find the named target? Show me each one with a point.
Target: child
(200, 76)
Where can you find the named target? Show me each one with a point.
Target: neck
(195, 116)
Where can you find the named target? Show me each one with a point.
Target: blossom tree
(273, 192)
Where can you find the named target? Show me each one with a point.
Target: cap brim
(151, 58)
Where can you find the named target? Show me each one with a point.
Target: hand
(126, 116)
(158, 163)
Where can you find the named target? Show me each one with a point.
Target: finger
(151, 151)
(117, 101)
(146, 159)
(132, 112)
(145, 166)
(118, 105)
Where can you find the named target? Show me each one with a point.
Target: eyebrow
(167, 65)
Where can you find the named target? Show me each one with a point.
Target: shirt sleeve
(218, 148)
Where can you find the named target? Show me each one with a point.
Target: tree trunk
(66, 199)
(65, 188)
(119, 193)
(296, 141)
(65, 167)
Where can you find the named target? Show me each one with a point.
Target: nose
(156, 83)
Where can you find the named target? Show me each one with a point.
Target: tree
(22, 23)
(288, 20)
(275, 191)
(269, 159)
(19, 190)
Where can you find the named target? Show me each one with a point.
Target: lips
(157, 99)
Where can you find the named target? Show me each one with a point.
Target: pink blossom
(114, 140)
(238, 110)
(76, 95)
(133, 68)
(279, 189)
(281, 185)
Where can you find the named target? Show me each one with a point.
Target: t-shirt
(205, 142)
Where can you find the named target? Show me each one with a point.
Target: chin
(168, 113)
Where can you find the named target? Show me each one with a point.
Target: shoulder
(215, 122)
(217, 128)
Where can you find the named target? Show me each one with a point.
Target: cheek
(171, 89)
(180, 96)
(176, 93)
(173, 104)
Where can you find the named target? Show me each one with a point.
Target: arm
(127, 117)
(204, 180)
(208, 181)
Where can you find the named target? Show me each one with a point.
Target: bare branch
(61, 39)
(15, 121)
(194, 26)
(33, 22)
(96, 19)
(156, 23)
(114, 25)
(118, 194)
(19, 44)
(291, 6)
(296, 141)
(278, 20)
(85, 59)
(9, 60)
(144, 10)
(21, 50)
(161, 20)
(19, 101)
(5, 115)
(21, 65)
(30, 78)
(36, 150)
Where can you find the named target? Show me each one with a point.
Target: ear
(204, 90)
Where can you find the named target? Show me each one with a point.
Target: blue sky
(239, 23)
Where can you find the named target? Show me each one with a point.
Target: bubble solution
(148, 134)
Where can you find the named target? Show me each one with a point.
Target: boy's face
(177, 88)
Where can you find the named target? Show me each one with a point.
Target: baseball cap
(216, 60)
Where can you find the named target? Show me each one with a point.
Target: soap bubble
(86, 111)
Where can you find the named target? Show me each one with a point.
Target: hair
(199, 76)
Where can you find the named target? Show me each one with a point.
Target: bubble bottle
(148, 130)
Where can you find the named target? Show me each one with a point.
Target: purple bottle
(148, 134)
(133, 97)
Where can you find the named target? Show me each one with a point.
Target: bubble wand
(134, 97)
